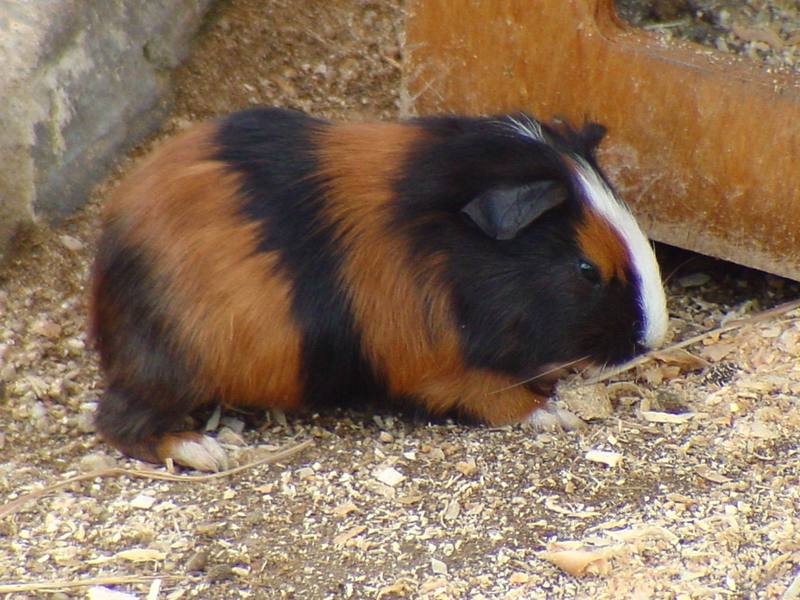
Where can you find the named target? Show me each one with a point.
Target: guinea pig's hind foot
(193, 450)
(551, 418)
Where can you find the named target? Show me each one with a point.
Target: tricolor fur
(271, 259)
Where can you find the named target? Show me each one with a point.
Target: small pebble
(451, 511)
(197, 561)
(84, 422)
(47, 329)
(96, 462)
(227, 435)
(39, 417)
(71, 243)
(438, 567)
(305, 473)
(518, 578)
(466, 467)
(234, 424)
(219, 573)
(694, 280)
(143, 501)
(437, 454)
(389, 476)
(75, 345)
(104, 593)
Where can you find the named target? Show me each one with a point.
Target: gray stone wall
(80, 82)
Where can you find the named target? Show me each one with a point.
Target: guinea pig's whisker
(539, 375)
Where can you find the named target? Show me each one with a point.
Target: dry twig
(11, 507)
(64, 584)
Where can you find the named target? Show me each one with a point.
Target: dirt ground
(695, 493)
(764, 30)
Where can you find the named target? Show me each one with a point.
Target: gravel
(764, 31)
(685, 484)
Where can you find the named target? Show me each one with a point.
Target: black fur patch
(149, 386)
(273, 150)
(521, 303)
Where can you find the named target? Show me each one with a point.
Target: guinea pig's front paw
(194, 450)
(551, 418)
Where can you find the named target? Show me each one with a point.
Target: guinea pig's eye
(588, 270)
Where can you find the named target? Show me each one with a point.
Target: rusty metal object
(704, 146)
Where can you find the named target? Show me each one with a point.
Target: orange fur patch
(390, 295)
(401, 305)
(477, 393)
(228, 302)
(603, 246)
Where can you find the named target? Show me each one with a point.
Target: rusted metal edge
(705, 146)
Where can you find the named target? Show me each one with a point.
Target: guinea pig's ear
(501, 213)
(591, 134)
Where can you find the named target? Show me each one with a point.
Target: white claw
(552, 418)
(202, 453)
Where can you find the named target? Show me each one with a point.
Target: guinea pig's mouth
(545, 377)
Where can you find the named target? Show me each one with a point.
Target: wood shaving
(578, 562)
(721, 483)
(612, 459)
(662, 417)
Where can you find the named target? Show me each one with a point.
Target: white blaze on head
(651, 300)
(527, 127)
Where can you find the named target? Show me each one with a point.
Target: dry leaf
(587, 401)
(709, 474)
(757, 34)
(756, 429)
(680, 499)
(409, 499)
(305, 473)
(682, 358)
(451, 511)
(519, 578)
(389, 476)
(47, 329)
(376, 487)
(344, 509)
(143, 501)
(104, 593)
(663, 417)
(343, 538)
(140, 555)
(716, 352)
(550, 504)
(401, 587)
(436, 454)
(649, 531)
(432, 584)
(438, 567)
(612, 459)
(654, 376)
(578, 562)
(466, 468)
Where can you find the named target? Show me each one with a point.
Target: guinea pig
(272, 259)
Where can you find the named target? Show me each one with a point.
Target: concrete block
(80, 82)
